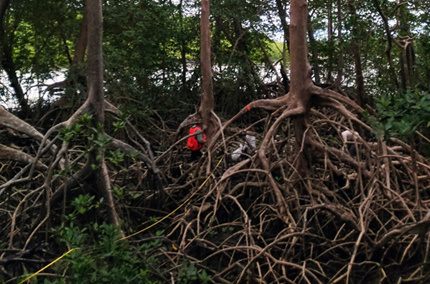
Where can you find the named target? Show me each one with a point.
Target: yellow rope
(31, 276)
(168, 215)
(124, 238)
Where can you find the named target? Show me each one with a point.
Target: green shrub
(101, 258)
(401, 115)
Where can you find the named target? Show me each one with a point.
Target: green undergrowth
(99, 254)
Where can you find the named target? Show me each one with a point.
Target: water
(34, 91)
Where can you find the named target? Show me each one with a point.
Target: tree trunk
(207, 104)
(359, 81)
(312, 42)
(96, 101)
(95, 60)
(405, 42)
(340, 53)
(6, 60)
(328, 79)
(183, 50)
(301, 83)
(389, 43)
(300, 68)
(283, 16)
(81, 43)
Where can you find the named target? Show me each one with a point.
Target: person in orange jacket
(196, 142)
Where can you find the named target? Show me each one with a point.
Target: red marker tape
(248, 107)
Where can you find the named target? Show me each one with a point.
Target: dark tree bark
(207, 104)
(405, 42)
(312, 43)
(328, 78)
(340, 53)
(7, 62)
(285, 79)
(283, 16)
(389, 42)
(359, 81)
(183, 50)
(408, 60)
(95, 60)
(81, 43)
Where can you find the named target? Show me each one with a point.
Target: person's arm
(199, 136)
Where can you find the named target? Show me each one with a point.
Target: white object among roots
(350, 136)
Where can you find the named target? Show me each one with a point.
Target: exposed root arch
(341, 208)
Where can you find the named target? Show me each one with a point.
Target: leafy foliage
(402, 114)
(101, 257)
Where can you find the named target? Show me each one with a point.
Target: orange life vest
(192, 142)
